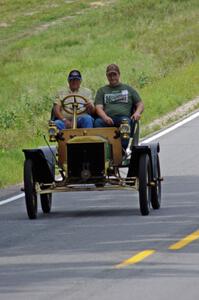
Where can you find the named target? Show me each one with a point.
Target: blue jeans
(85, 121)
(117, 121)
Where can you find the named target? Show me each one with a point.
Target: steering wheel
(74, 102)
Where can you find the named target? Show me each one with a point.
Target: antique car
(91, 159)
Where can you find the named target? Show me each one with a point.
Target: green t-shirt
(118, 100)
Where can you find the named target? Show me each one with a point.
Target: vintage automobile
(91, 159)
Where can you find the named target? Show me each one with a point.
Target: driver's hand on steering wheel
(89, 106)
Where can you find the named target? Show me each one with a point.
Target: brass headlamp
(52, 131)
(125, 129)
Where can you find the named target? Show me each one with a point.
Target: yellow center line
(135, 259)
(185, 241)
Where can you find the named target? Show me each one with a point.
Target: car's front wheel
(29, 188)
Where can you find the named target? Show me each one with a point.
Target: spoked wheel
(156, 190)
(144, 188)
(29, 188)
(46, 202)
(74, 101)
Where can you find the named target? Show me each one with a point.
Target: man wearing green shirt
(116, 101)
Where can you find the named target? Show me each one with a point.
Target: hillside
(154, 42)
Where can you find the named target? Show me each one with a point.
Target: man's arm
(87, 93)
(100, 108)
(58, 115)
(90, 107)
(101, 113)
(139, 109)
(57, 112)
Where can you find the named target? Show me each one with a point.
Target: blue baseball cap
(74, 74)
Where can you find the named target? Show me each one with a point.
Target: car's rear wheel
(46, 202)
(29, 188)
(144, 187)
(156, 190)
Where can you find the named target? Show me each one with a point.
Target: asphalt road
(79, 251)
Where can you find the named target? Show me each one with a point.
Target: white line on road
(150, 139)
(14, 198)
(167, 130)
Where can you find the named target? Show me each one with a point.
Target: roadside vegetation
(154, 42)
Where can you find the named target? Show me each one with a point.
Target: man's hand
(90, 107)
(101, 113)
(136, 116)
(108, 121)
(139, 109)
(68, 123)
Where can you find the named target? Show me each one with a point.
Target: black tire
(46, 202)
(144, 188)
(156, 191)
(29, 188)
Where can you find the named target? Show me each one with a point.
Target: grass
(155, 43)
(167, 94)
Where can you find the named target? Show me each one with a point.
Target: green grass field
(154, 42)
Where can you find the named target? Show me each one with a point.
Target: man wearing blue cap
(63, 119)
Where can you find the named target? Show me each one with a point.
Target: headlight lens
(52, 131)
(125, 129)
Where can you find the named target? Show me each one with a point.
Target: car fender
(44, 159)
(152, 150)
